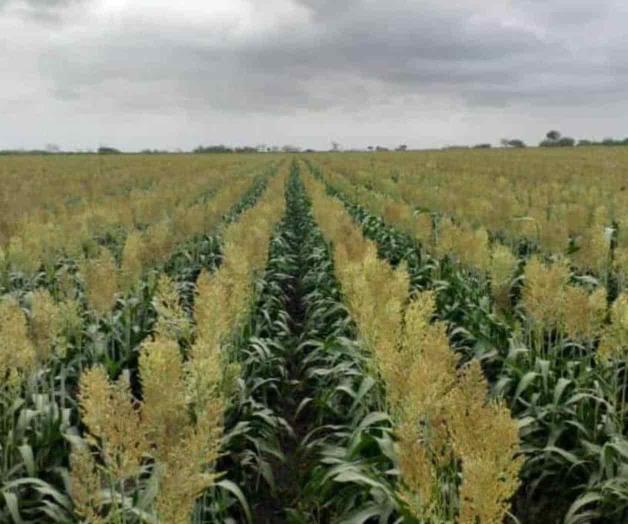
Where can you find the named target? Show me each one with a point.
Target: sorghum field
(414, 337)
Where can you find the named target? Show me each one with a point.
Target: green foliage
(39, 421)
(573, 420)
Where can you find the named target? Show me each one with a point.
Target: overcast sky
(168, 74)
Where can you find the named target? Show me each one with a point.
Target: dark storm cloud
(456, 51)
(400, 47)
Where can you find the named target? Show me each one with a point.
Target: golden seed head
(108, 410)
(172, 321)
(159, 242)
(70, 323)
(486, 439)
(503, 266)
(100, 277)
(594, 250)
(614, 342)
(423, 228)
(544, 292)
(584, 312)
(620, 264)
(184, 473)
(619, 314)
(133, 259)
(24, 253)
(164, 410)
(419, 476)
(44, 322)
(469, 246)
(17, 353)
(85, 485)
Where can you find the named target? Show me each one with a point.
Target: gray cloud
(50, 4)
(41, 5)
(350, 57)
(407, 47)
(49, 12)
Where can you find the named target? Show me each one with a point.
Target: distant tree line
(476, 146)
(554, 138)
(105, 150)
(605, 142)
(245, 149)
(24, 152)
(213, 149)
(154, 152)
(6, 152)
(512, 142)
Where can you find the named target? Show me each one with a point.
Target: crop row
(40, 415)
(569, 397)
(551, 203)
(294, 357)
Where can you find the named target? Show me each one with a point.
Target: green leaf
(13, 506)
(559, 389)
(574, 517)
(232, 488)
(524, 383)
(26, 453)
(362, 515)
(371, 419)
